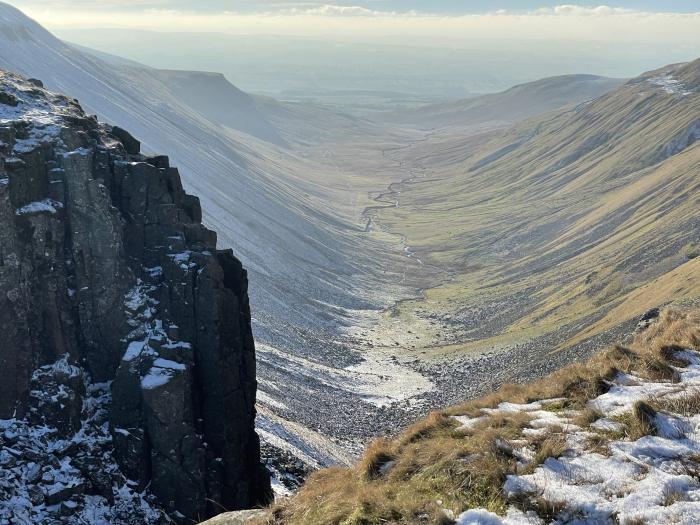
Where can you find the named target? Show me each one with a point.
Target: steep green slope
(550, 225)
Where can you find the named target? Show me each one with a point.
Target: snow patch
(156, 377)
(670, 85)
(170, 365)
(42, 206)
(182, 259)
(38, 464)
(648, 480)
(651, 480)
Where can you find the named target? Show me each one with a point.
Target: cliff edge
(127, 373)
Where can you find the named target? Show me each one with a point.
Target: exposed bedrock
(107, 274)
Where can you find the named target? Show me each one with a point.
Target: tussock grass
(545, 509)
(673, 495)
(434, 424)
(639, 422)
(675, 328)
(550, 445)
(587, 416)
(378, 455)
(685, 405)
(598, 443)
(433, 465)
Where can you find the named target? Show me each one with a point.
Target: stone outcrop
(108, 275)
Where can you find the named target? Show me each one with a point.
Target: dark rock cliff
(127, 334)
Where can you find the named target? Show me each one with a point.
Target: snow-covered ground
(653, 479)
(42, 115)
(377, 379)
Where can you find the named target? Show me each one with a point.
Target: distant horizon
(431, 51)
(309, 66)
(368, 20)
(369, 7)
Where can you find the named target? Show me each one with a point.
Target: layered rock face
(127, 334)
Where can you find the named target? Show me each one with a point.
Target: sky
(450, 7)
(646, 21)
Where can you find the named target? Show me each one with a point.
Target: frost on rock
(155, 271)
(150, 337)
(156, 377)
(48, 477)
(182, 259)
(93, 215)
(40, 114)
(160, 373)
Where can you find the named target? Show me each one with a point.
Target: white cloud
(571, 22)
(337, 10)
(578, 10)
(326, 10)
(90, 4)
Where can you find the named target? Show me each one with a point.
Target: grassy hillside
(612, 440)
(569, 223)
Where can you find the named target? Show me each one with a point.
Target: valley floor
(464, 321)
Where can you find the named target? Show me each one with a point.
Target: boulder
(8, 99)
(59, 493)
(131, 145)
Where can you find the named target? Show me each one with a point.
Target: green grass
(574, 223)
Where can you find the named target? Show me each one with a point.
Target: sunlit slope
(564, 217)
(515, 104)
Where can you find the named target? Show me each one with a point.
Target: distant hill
(220, 101)
(512, 105)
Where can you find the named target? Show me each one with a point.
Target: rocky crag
(127, 369)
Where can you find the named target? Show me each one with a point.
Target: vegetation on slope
(548, 227)
(460, 458)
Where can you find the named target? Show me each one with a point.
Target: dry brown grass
(549, 445)
(432, 462)
(435, 466)
(377, 456)
(587, 416)
(598, 443)
(680, 328)
(686, 405)
(640, 421)
(435, 423)
(547, 510)
(673, 495)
